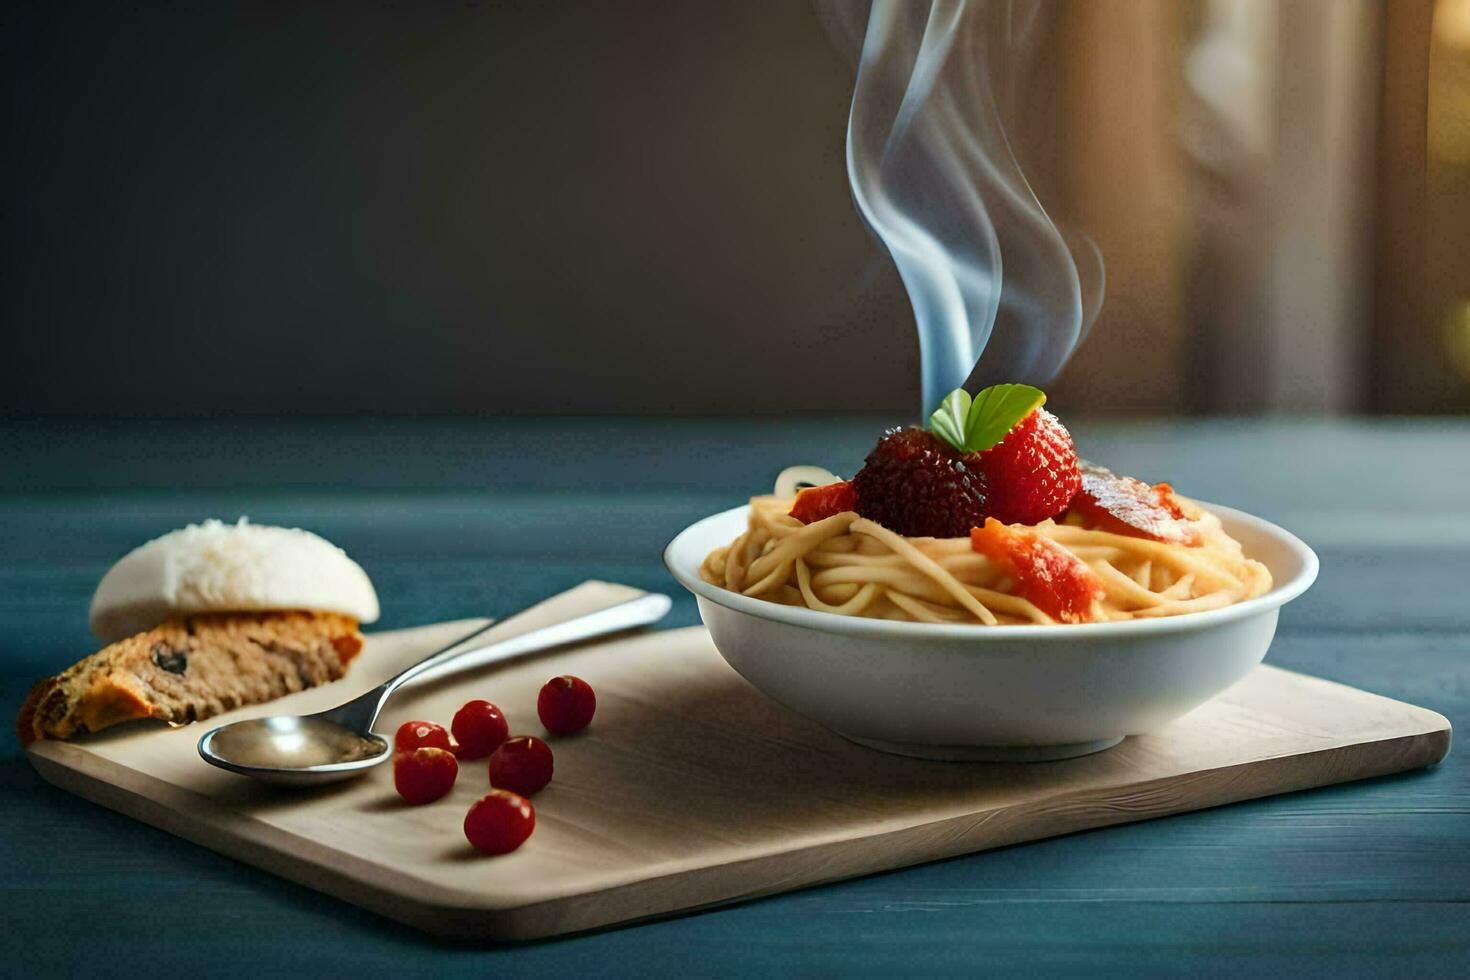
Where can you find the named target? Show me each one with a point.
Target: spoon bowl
(293, 749)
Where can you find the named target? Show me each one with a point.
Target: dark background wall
(236, 208)
(641, 206)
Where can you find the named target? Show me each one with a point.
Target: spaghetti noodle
(851, 566)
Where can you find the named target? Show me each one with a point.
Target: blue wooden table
(464, 518)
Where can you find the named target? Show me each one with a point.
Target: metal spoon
(339, 743)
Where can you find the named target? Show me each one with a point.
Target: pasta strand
(850, 566)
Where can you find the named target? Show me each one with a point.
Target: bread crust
(191, 668)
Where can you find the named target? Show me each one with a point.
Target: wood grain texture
(692, 789)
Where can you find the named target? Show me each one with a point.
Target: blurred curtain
(1223, 156)
(1120, 176)
(1282, 192)
(1423, 342)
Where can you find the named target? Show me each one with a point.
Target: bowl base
(988, 753)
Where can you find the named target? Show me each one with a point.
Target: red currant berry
(521, 765)
(566, 705)
(500, 822)
(425, 774)
(418, 734)
(479, 727)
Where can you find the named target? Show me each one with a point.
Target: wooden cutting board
(692, 789)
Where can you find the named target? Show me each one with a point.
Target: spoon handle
(360, 713)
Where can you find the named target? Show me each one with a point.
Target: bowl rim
(816, 619)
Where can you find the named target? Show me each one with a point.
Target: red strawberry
(1048, 575)
(818, 503)
(1022, 451)
(1123, 505)
(917, 485)
(1031, 473)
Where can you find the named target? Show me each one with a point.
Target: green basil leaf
(948, 420)
(995, 411)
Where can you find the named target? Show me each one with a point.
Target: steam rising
(999, 292)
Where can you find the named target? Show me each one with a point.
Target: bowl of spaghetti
(1027, 640)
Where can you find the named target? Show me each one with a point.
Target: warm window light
(1449, 165)
(1452, 24)
(1449, 84)
(1457, 337)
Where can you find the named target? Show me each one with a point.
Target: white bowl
(998, 693)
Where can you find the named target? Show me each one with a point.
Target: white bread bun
(228, 568)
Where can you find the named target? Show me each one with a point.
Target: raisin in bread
(190, 668)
